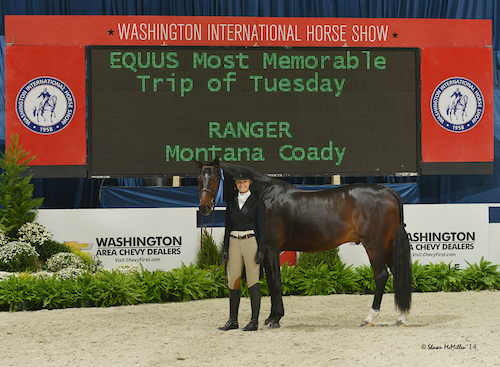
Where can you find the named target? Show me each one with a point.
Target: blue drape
(432, 189)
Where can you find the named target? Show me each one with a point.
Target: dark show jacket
(251, 216)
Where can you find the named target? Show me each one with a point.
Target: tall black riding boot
(255, 296)
(234, 305)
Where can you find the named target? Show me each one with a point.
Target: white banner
(449, 233)
(454, 233)
(156, 238)
(165, 238)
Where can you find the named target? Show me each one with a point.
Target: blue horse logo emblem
(45, 105)
(457, 104)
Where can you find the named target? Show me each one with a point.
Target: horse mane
(260, 181)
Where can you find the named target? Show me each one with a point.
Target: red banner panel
(457, 105)
(342, 86)
(45, 95)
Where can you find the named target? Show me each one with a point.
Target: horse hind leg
(401, 321)
(380, 281)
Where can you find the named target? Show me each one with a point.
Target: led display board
(152, 110)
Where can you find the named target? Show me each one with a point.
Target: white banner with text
(164, 238)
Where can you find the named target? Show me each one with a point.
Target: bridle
(215, 198)
(214, 195)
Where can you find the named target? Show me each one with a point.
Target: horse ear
(216, 162)
(199, 164)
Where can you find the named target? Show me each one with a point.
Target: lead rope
(211, 236)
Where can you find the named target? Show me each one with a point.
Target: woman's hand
(259, 257)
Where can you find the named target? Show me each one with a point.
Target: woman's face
(243, 185)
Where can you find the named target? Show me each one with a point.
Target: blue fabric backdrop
(72, 193)
(168, 197)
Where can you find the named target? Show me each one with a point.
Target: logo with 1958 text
(45, 105)
(457, 104)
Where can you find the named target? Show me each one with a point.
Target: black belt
(244, 237)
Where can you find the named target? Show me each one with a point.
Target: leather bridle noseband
(208, 190)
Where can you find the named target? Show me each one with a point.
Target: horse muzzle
(205, 209)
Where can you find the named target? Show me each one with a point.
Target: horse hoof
(273, 325)
(400, 323)
(366, 324)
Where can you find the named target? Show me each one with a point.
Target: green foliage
(317, 281)
(87, 290)
(422, 278)
(53, 293)
(188, 283)
(446, 278)
(481, 276)
(113, 288)
(49, 248)
(152, 284)
(117, 289)
(366, 281)
(209, 253)
(17, 205)
(291, 278)
(219, 280)
(308, 260)
(344, 278)
(329, 279)
(17, 289)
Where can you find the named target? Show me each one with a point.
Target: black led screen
(303, 111)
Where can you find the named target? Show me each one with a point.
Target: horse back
(313, 221)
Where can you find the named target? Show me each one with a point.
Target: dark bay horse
(314, 221)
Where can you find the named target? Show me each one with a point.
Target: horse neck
(260, 181)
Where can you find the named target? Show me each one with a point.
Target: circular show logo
(45, 105)
(457, 104)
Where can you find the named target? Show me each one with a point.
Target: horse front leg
(273, 276)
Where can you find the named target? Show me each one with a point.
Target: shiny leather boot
(255, 297)
(234, 304)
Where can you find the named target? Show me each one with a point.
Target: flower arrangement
(25, 245)
(64, 260)
(69, 273)
(17, 255)
(127, 268)
(35, 233)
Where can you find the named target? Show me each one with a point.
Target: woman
(244, 243)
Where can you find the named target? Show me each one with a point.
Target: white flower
(69, 273)
(64, 260)
(34, 233)
(127, 268)
(5, 275)
(42, 274)
(16, 249)
(3, 238)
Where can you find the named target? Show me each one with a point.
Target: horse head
(209, 185)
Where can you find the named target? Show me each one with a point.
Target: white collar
(242, 198)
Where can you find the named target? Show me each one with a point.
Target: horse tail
(402, 265)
